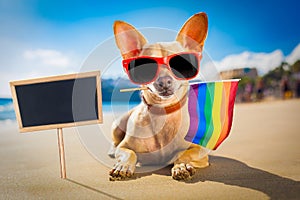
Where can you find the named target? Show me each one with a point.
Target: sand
(260, 160)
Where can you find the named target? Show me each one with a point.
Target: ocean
(7, 112)
(6, 109)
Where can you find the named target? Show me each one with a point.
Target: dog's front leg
(125, 166)
(188, 160)
(119, 127)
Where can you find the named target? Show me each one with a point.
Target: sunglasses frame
(161, 61)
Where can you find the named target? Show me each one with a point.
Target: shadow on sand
(236, 173)
(231, 172)
(94, 189)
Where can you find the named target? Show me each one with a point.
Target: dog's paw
(121, 171)
(183, 171)
(111, 152)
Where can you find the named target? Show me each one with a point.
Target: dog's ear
(128, 39)
(193, 33)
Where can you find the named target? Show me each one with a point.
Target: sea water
(7, 112)
(6, 109)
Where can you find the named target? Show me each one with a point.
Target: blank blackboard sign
(58, 101)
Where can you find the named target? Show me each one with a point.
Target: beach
(259, 160)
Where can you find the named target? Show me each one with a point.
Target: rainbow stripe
(211, 110)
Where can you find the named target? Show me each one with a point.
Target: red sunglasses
(144, 69)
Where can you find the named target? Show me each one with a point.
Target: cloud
(294, 56)
(27, 64)
(264, 62)
(47, 57)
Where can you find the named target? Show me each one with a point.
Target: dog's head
(165, 84)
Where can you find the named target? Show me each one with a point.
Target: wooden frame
(13, 84)
(22, 129)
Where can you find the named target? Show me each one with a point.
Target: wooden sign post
(61, 149)
(58, 102)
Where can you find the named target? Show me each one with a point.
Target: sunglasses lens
(142, 70)
(184, 66)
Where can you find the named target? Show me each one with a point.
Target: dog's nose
(164, 82)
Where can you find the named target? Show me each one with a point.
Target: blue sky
(46, 37)
(245, 25)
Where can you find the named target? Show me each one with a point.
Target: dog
(153, 132)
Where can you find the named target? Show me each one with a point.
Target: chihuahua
(153, 132)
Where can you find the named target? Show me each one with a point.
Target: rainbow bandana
(211, 110)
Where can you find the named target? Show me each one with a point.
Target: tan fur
(150, 138)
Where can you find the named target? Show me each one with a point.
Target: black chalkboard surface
(57, 102)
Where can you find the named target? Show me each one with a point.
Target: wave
(6, 110)
(7, 122)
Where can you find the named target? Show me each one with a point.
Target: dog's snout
(164, 86)
(165, 82)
